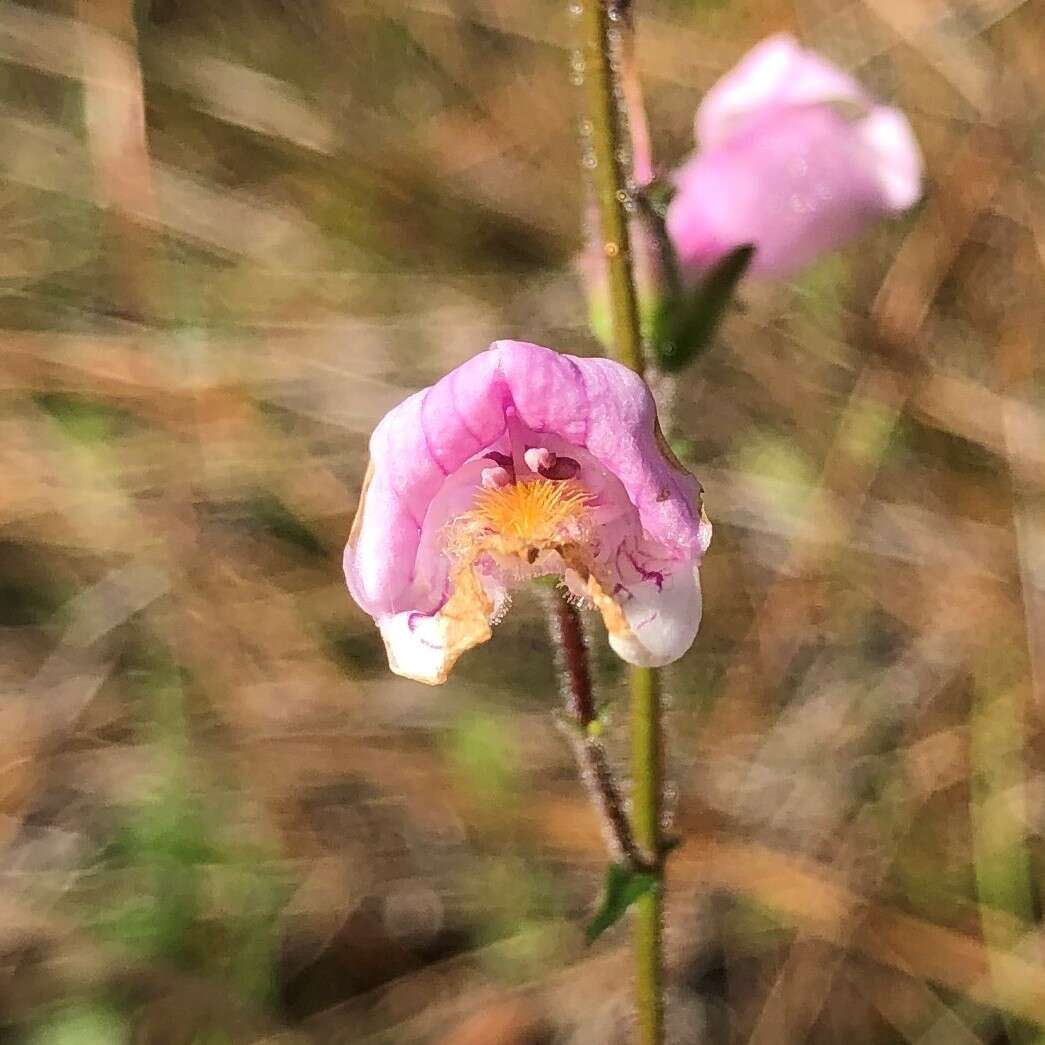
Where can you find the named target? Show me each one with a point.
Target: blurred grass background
(233, 235)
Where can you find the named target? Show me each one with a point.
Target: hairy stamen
(504, 460)
(550, 465)
(538, 458)
(536, 510)
(495, 478)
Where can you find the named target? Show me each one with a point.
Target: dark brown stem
(575, 660)
(582, 733)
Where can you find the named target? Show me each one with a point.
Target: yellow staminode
(536, 510)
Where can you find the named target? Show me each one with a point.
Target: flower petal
(795, 157)
(416, 647)
(895, 156)
(546, 389)
(593, 403)
(425, 647)
(796, 183)
(777, 73)
(656, 621)
(624, 437)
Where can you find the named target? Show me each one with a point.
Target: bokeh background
(233, 235)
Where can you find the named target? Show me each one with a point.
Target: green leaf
(84, 420)
(82, 1023)
(686, 325)
(623, 886)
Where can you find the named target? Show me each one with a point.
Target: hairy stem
(608, 144)
(611, 192)
(587, 746)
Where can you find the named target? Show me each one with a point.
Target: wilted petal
(424, 647)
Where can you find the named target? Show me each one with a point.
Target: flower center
(522, 521)
(537, 510)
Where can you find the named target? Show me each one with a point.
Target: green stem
(611, 193)
(608, 180)
(645, 754)
(646, 810)
(998, 815)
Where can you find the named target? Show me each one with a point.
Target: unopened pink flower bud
(793, 156)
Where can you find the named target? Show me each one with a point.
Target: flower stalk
(608, 142)
(582, 730)
(646, 800)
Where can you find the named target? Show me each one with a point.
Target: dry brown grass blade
(811, 899)
(200, 212)
(912, 1007)
(806, 898)
(949, 37)
(114, 111)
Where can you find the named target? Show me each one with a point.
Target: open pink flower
(795, 157)
(523, 463)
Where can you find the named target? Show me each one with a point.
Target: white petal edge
(897, 159)
(416, 651)
(424, 647)
(662, 624)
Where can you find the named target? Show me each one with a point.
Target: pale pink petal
(546, 389)
(592, 419)
(795, 183)
(623, 435)
(776, 73)
(380, 556)
(895, 156)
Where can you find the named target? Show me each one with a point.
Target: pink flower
(523, 463)
(794, 157)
